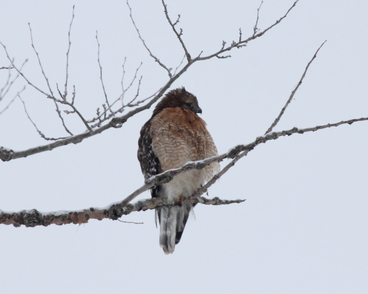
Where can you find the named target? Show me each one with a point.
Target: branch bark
(6, 154)
(32, 218)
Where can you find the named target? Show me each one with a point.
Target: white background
(304, 226)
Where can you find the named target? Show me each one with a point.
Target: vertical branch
(101, 76)
(67, 57)
(255, 28)
(178, 34)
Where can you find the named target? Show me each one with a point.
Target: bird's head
(179, 98)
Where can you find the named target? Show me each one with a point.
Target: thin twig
(12, 100)
(181, 62)
(39, 60)
(102, 117)
(131, 104)
(34, 124)
(178, 34)
(57, 109)
(294, 91)
(144, 43)
(117, 122)
(6, 67)
(125, 90)
(101, 76)
(255, 28)
(67, 56)
(129, 222)
(243, 42)
(21, 74)
(9, 83)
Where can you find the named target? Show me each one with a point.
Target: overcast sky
(304, 225)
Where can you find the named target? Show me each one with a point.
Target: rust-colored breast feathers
(178, 136)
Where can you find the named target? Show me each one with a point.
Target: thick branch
(118, 121)
(33, 218)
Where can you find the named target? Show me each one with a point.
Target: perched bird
(174, 135)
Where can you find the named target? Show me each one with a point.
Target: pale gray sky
(304, 226)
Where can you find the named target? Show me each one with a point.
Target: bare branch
(7, 86)
(235, 153)
(128, 222)
(294, 91)
(178, 34)
(57, 109)
(117, 122)
(115, 211)
(145, 45)
(67, 57)
(12, 100)
(243, 42)
(5, 89)
(39, 60)
(33, 218)
(6, 67)
(102, 117)
(101, 77)
(255, 28)
(125, 90)
(21, 73)
(33, 123)
(180, 64)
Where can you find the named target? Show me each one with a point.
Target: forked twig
(35, 218)
(255, 28)
(178, 34)
(34, 124)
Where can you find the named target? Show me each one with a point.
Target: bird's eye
(188, 104)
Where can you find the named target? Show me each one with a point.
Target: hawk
(174, 135)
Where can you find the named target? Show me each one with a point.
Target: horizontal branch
(33, 218)
(7, 154)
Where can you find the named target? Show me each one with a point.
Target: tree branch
(67, 56)
(294, 91)
(117, 122)
(33, 218)
(144, 43)
(243, 42)
(101, 77)
(178, 34)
